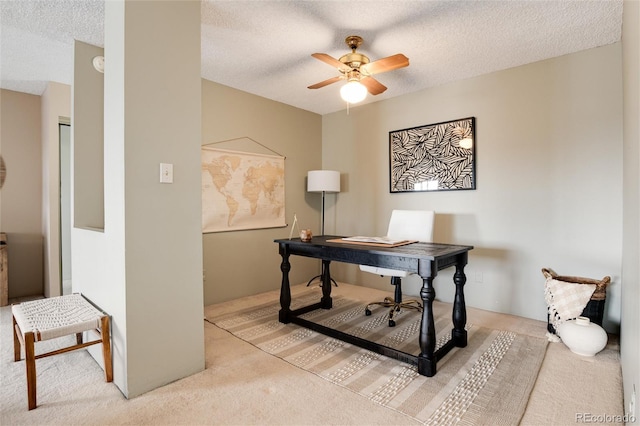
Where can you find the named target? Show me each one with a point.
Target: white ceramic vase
(582, 336)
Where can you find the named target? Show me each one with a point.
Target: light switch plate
(166, 173)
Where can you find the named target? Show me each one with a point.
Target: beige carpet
(488, 382)
(243, 385)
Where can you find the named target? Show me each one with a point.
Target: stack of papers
(377, 240)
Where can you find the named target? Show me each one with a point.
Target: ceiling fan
(358, 70)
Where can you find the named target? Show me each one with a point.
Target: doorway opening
(65, 207)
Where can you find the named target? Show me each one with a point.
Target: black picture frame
(434, 157)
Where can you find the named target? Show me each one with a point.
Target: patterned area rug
(488, 382)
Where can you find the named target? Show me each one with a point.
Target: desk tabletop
(420, 250)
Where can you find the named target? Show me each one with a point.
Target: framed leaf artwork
(434, 157)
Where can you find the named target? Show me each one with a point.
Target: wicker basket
(594, 310)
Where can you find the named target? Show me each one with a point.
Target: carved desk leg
(459, 334)
(427, 340)
(285, 289)
(326, 301)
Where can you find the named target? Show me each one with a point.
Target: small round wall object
(582, 336)
(305, 235)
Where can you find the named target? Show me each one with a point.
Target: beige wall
(88, 139)
(21, 196)
(242, 263)
(630, 329)
(549, 173)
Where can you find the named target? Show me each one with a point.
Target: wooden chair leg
(105, 333)
(16, 340)
(30, 363)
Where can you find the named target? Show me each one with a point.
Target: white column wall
(145, 269)
(630, 327)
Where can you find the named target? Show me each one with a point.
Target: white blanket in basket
(566, 300)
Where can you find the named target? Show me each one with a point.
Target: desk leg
(285, 289)
(427, 340)
(326, 301)
(459, 334)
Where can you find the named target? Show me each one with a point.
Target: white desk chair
(404, 225)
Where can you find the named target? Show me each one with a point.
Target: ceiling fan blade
(325, 83)
(373, 86)
(332, 61)
(385, 64)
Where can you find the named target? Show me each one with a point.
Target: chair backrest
(411, 225)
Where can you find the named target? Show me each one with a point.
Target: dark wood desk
(424, 259)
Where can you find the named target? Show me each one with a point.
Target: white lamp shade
(323, 180)
(353, 92)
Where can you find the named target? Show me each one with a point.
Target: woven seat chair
(404, 225)
(52, 318)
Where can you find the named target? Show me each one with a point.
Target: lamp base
(320, 276)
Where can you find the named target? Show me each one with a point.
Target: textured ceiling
(264, 47)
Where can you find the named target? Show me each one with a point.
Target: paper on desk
(377, 240)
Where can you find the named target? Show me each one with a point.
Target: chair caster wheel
(367, 312)
(392, 323)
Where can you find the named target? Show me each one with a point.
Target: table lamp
(323, 181)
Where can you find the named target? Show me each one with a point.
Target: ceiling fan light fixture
(353, 92)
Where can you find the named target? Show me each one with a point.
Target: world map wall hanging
(241, 190)
(435, 157)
